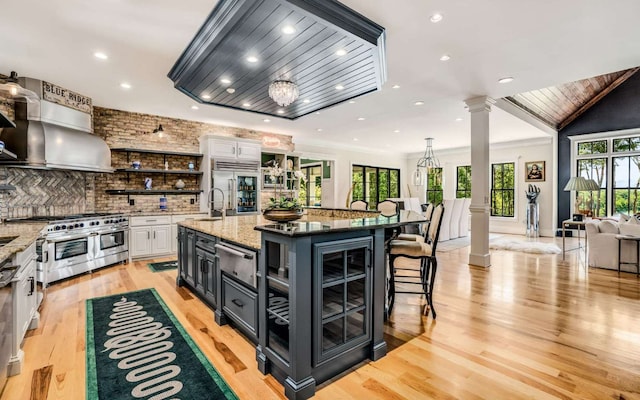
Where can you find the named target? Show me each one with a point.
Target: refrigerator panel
(225, 181)
(247, 193)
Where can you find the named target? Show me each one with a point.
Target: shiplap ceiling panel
(561, 104)
(237, 29)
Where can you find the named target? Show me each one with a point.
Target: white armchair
(456, 213)
(464, 218)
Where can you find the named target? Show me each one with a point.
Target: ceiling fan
(10, 88)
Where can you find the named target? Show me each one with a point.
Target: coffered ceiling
(540, 44)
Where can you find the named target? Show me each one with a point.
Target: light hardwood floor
(530, 326)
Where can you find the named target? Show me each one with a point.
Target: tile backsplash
(46, 192)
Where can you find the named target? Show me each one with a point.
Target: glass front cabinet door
(342, 296)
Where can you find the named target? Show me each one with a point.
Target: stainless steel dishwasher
(238, 262)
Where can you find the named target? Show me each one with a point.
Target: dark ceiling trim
(219, 22)
(343, 17)
(598, 97)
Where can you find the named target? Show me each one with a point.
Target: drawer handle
(33, 286)
(238, 303)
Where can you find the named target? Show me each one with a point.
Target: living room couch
(603, 246)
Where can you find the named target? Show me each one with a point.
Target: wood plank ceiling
(216, 59)
(558, 106)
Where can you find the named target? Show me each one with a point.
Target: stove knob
(97, 223)
(63, 227)
(107, 221)
(76, 226)
(69, 227)
(57, 227)
(82, 225)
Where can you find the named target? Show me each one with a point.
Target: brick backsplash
(44, 192)
(122, 129)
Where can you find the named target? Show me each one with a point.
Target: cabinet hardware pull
(154, 234)
(148, 235)
(33, 286)
(238, 303)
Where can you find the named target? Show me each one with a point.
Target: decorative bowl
(282, 214)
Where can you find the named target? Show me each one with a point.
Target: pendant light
(424, 164)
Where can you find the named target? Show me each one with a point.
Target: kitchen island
(315, 306)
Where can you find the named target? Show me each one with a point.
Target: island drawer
(240, 303)
(206, 242)
(150, 220)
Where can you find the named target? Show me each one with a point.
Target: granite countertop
(315, 225)
(246, 230)
(156, 213)
(25, 233)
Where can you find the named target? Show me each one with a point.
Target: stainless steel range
(75, 244)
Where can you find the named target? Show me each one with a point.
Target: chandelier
(424, 164)
(283, 92)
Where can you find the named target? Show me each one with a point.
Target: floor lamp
(580, 184)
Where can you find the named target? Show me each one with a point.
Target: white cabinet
(150, 236)
(230, 149)
(25, 304)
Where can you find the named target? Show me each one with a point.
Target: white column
(480, 107)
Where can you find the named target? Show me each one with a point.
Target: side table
(581, 226)
(635, 239)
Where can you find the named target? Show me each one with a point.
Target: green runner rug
(137, 349)
(163, 266)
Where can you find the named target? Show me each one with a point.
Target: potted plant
(281, 208)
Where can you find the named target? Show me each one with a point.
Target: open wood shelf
(166, 153)
(160, 171)
(152, 191)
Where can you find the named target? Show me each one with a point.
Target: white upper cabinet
(230, 149)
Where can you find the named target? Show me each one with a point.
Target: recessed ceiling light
(355, 139)
(195, 107)
(125, 85)
(506, 79)
(458, 119)
(226, 81)
(206, 96)
(266, 120)
(341, 52)
(352, 102)
(246, 104)
(319, 129)
(231, 90)
(396, 131)
(395, 87)
(437, 17)
(339, 87)
(445, 57)
(288, 30)
(280, 111)
(361, 118)
(419, 103)
(100, 55)
(252, 59)
(317, 112)
(306, 101)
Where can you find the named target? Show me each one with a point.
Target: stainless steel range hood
(53, 136)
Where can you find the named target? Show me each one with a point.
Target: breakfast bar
(315, 304)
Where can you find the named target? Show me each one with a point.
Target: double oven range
(76, 244)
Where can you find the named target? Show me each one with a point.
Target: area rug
(163, 266)
(455, 244)
(136, 348)
(524, 246)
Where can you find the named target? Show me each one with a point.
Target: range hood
(53, 136)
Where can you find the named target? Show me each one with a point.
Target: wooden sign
(65, 97)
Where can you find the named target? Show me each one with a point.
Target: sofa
(602, 244)
(455, 219)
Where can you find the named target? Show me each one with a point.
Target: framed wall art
(534, 171)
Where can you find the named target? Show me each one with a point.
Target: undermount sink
(6, 240)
